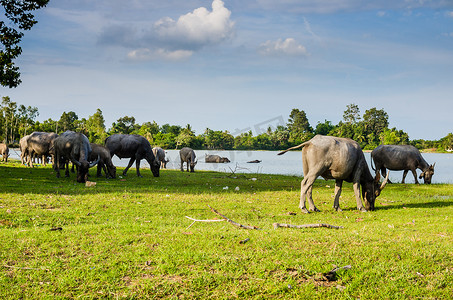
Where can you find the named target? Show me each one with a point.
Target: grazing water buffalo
(134, 147)
(105, 161)
(40, 144)
(159, 154)
(188, 156)
(75, 147)
(339, 159)
(215, 159)
(401, 157)
(4, 152)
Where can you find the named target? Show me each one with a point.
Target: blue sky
(238, 65)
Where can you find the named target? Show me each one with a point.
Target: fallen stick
(232, 222)
(195, 220)
(277, 225)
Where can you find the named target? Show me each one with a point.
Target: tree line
(369, 130)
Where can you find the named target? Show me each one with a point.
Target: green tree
(95, 126)
(48, 125)
(447, 142)
(324, 128)
(67, 122)
(186, 138)
(9, 117)
(21, 19)
(167, 128)
(375, 122)
(244, 141)
(148, 130)
(394, 137)
(124, 125)
(299, 127)
(352, 114)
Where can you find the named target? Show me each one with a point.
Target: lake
(288, 164)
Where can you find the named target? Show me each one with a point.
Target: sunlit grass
(129, 238)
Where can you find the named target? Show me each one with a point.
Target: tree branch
(277, 225)
(232, 222)
(195, 220)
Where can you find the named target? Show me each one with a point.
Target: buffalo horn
(75, 161)
(385, 180)
(95, 162)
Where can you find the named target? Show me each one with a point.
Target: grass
(129, 238)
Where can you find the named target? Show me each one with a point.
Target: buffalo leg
(415, 175)
(182, 165)
(66, 173)
(356, 186)
(137, 166)
(131, 161)
(305, 184)
(404, 176)
(56, 165)
(311, 204)
(336, 202)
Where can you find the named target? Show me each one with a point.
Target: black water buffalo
(159, 154)
(209, 158)
(339, 159)
(135, 147)
(105, 161)
(188, 156)
(401, 157)
(4, 152)
(75, 147)
(40, 144)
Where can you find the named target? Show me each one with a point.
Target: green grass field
(130, 238)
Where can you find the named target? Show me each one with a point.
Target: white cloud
(450, 14)
(200, 26)
(171, 39)
(145, 54)
(279, 47)
(381, 13)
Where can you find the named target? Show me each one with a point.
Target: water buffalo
(401, 157)
(4, 152)
(339, 159)
(23, 145)
(75, 147)
(215, 159)
(159, 154)
(105, 161)
(135, 147)
(188, 156)
(40, 144)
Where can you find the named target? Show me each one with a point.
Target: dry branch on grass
(231, 221)
(195, 220)
(277, 225)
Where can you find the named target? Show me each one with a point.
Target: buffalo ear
(421, 175)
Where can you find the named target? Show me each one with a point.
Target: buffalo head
(82, 168)
(112, 171)
(428, 174)
(192, 166)
(155, 167)
(372, 189)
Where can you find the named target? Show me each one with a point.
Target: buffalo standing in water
(188, 156)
